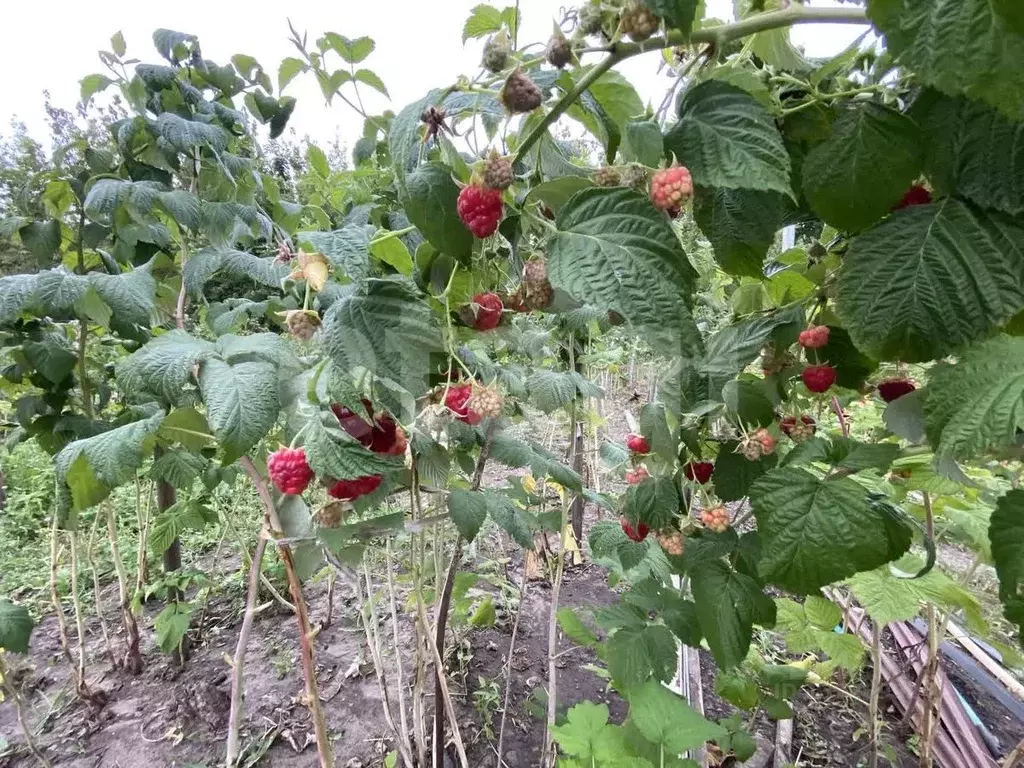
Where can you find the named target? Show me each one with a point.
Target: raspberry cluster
(637, 444)
(520, 94)
(699, 471)
(757, 444)
(480, 209)
(814, 337)
(378, 432)
(894, 389)
(673, 542)
(537, 290)
(637, 533)
(638, 22)
(498, 172)
(818, 378)
(485, 311)
(716, 519)
(289, 470)
(637, 476)
(457, 401)
(671, 188)
(486, 401)
(798, 431)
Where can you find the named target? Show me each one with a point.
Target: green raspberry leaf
(614, 250)
(468, 510)
(430, 203)
(864, 167)
(729, 603)
(931, 278)
(241, 403)
(665, 718)
(728, 139)
(957, 46)
(977, 403)
(15, 627)
(1006, 533)
(815, 532)
(741, 225)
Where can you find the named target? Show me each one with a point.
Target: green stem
(390, 234)
(619, 51)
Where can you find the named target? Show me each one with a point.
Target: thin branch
(325, 751)
(717, 36)
(238, 662)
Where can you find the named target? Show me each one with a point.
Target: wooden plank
(783, 744)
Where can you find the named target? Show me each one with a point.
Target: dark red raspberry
(350, 490)
(487, 308)
(894, 389)
(699, 471)
(814, 337)
(456, 401)
(818, 378)
(289, 470)
(637, 444)
(637, 476)
(382, 435)
(916, 195)
(639, 533)
(480, 209)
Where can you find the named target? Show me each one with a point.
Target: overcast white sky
(419, 46)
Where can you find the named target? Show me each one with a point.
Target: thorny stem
(90, 559)
(58, 607)
(928, 679)
(876, 690)
(398, 654)
(508, 667)
(324, 748)
(371, 624)
(19, 706)
(238, 662)
(76, 601)
(556, 589)
(440, 685)
(132, 656)
(618, 51)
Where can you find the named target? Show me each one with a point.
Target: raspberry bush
(197, 308)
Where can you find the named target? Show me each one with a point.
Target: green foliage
(727, 139)
(930, 279)
(1006, 533)
(614, 250)
(815, 532)
(862, 169)
(15, 627)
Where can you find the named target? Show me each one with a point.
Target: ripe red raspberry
(818, 378)
(814, 337)
(487, 307)
(716, 519)
(894, 389)
(636, 476)
(699, 471)
(480, 209)
(637, 444)
(382, 435)
(916, 195)
(350, 490)
(289, 470)
(457, 401)
(639, 533)
(800, 431)
(673, 542)
(671, 187)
